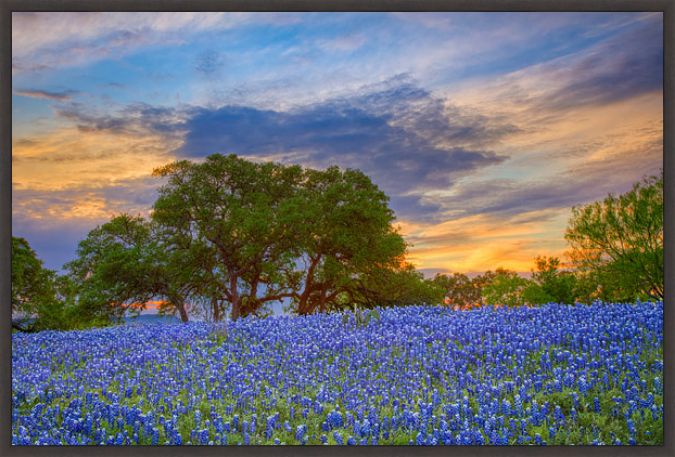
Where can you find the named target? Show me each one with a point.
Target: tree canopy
(37, 292)
(402, 286)
(505, 288)
(270, 232)
(124, 263)
(345, 236)
(550, 284)
(617, 243)
(459, 289)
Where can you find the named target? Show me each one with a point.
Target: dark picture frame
(6, 8)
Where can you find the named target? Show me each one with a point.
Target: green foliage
(459, 289)
(505, 288)
(347, 242)
(269, 232)
(617, 244)
(37, 293)
(401, 286)
(123, 264)
(241, 216)
(32, 284)
(228, 232)
(549, 284)
(110, 268)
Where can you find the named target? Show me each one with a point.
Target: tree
(346, 240)
(549, 284)
(505, 288)
(269, 232)
(31, 282)
(460, 290)
(397, 287)
(241, 216)
(617, 243)
(123, 264)
(482, 280)
(36, 304)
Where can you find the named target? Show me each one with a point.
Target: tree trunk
(236, 309)
(182, 311)
(216, 309)
(322, 301)
(304, 305)
(235, 299)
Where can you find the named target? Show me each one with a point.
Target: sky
(484, 129)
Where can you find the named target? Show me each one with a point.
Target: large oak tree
(272, 232)
(242, 215)
(345, 235)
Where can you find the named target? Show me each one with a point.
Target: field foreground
(417, 375)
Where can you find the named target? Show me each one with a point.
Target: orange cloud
(481, 242)
(72, 158)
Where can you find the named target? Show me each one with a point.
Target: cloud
(54, 222)
(417, 147)
(23, 66)
(87, 201)
(97, 151)
(136, 119)
(396, 132)
(476, 243)
(622, 67)
(402, 136)
(527, 118)
(588, 124)
(625, 65)
(612, 164)
(347, 43)
(209, 62)
(46, 95)
(74, 38)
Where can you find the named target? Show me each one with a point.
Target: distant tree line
(232, 236)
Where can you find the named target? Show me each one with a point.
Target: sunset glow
(483, 128)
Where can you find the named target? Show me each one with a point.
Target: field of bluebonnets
(415, 375)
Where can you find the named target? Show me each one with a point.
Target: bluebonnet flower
(300, 433)
(596, 404)
(464, 389)
(338, 438)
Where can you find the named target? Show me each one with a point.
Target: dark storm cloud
(524, 202)
(398, 134)
(134, 119)
(625, 66)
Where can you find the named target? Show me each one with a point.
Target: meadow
(554, 374)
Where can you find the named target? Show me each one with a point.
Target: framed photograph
(287, 225)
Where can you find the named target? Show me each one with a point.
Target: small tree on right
(617, 244)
